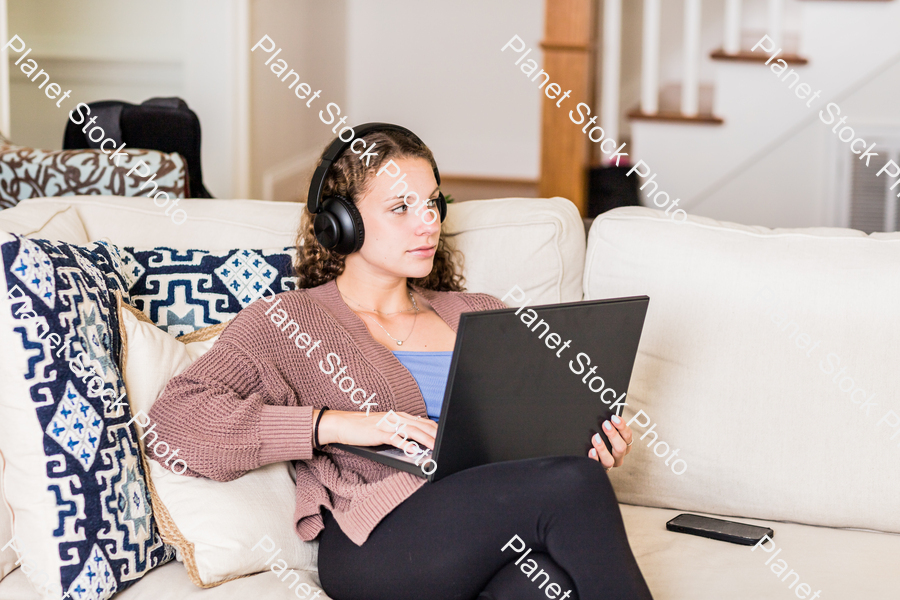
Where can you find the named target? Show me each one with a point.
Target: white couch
(768, 435)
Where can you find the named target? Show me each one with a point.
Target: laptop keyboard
(400, 455)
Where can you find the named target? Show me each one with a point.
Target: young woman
(383, 319)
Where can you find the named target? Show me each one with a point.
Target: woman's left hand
(620, 437)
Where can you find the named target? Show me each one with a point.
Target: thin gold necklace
(415, 318)
(378, 312)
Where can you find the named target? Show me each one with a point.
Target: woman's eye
(402, 208)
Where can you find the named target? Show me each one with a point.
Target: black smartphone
(718, 529)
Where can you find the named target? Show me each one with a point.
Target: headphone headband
(337, 224)
(337, 147)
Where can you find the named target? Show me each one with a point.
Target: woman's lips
(424, 251)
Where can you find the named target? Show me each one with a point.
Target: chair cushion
(33, 173)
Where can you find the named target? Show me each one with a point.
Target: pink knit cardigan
(248, 402)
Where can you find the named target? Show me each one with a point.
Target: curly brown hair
(351, 178)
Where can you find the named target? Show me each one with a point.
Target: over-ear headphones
(338, 224)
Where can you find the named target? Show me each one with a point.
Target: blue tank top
(430, 370)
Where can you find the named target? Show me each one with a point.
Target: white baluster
(690, 85)
(732, 43)
(612, 59)
(776, 21)
(650, 58)
(890, 205)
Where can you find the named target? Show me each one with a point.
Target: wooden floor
(483, 188)
(476, 188)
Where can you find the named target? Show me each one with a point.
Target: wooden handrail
(568, 56)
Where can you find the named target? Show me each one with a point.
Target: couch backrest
(535, 243)
(760, 350)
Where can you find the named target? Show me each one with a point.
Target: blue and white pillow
(185, 290)
(74, 477)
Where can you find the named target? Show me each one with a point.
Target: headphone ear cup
(339, 226)
(327, 230)
(441, 206)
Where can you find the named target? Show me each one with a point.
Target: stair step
(761, 57)
(675, 117)
(669, 107)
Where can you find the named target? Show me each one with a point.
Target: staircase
(753, 151)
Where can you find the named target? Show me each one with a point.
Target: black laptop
(517, 390)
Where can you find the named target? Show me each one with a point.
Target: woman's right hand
(358, 429)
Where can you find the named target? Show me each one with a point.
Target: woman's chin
(417, 271)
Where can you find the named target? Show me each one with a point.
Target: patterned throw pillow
(32, 173)
(74, 478)
(184, 290)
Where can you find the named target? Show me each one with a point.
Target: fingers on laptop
(417, 429)
(624, 431)
(600, 453)
(422, 423)
(619, 445)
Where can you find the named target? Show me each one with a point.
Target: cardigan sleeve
(480, 301)
(227, 414)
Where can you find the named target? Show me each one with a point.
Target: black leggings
(444, 541)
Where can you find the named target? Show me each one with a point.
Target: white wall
(287, 136)
(216, 81)
(132, 51)
(100, 49)
(436, 67)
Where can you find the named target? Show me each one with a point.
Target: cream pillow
(65, 225)
(8, 557)
(46, 222)
(213, 524)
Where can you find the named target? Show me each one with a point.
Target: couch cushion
(539, 241)
(535, 243)
(841, 563)
(757, 353)
(137, 222)
(7, 555)
(171, 582)
(72, 475)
